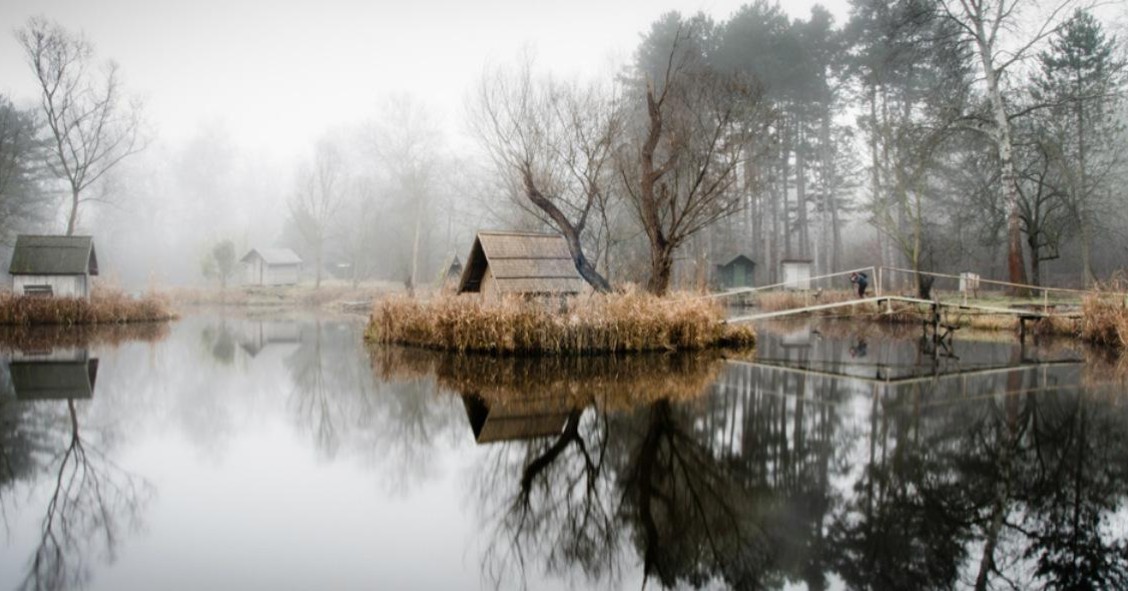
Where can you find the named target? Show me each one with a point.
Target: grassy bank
(103, 307)
(333, 294)
(623, 322)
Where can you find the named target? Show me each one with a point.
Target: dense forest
(935, 135)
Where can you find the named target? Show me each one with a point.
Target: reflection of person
(862, 281)
(860, 348)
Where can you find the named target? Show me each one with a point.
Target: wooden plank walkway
(1021, 313)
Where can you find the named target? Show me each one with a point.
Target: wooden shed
(736, 270)
(524, 263)
(796, 273)
(53, 266)
(272, 266)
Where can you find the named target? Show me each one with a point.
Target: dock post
(877, 287)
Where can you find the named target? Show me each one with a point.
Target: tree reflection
(763, 478)
(92, 502)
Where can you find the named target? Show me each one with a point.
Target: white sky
(278, 74)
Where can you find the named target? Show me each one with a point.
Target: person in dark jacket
(862, 281)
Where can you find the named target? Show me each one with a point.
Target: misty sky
(278, 77)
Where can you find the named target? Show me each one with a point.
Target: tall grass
(1104, 319)
(788, 300)
(103, 307)
(597, 323)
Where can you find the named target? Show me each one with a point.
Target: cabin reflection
(64, 373)
(515, 420)
(257, 336)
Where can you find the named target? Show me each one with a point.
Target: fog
(251, 120)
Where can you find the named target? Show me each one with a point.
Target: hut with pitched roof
(736, 270)
(521, 263)
(59, 266)
(272, 266)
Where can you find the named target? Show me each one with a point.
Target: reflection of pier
(514, 420)
(57, 374)
(883, 375)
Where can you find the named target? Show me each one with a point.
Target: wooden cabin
(272, 266)
(502, 263)
(59, 266)
(736, 271)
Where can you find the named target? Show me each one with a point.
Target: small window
(39, 290)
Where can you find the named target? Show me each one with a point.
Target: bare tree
(680, 169)
(554, 144)
(92, 127)
(984, 24)
(318, 199)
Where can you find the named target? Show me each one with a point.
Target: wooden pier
(1022, 314)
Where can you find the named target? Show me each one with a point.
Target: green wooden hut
(736, 271)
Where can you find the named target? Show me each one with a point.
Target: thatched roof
(273, 256)
(53, 255)
(522, 263)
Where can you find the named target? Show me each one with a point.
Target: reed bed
(612, 382)
(103, 307)
(611, 323)
(1104, 320)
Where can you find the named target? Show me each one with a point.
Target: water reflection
(858, 461)
(92, 500)
(837, 457)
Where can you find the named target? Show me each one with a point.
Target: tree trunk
(1001, 134)
(1035, 255)
(801, 193)
(317, 262)
(72, 219)
(661, 265)
(415, 241)
(570, 231)
(785, 173)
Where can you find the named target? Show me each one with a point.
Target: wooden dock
(1022, 314)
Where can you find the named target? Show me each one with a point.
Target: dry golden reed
(104, 307)
(788, 300)
(597, 323)
(1104, 320)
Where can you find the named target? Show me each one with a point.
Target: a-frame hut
(502, 263)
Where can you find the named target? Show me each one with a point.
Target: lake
(234, 452)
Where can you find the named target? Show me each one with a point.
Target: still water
(281, 453)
